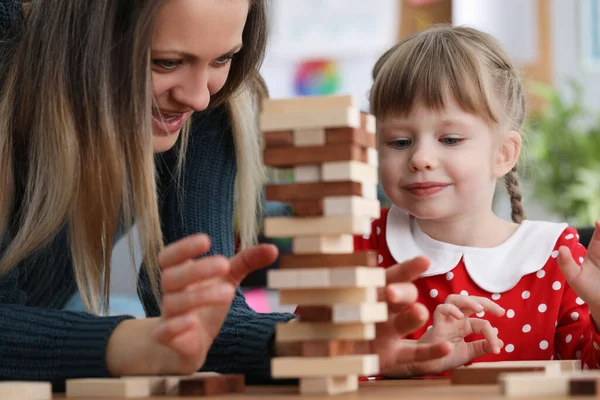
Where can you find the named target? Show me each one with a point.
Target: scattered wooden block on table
(308, 104)
(289, 157)
(130, 387)
(584, 383)
(533, 384)
(21, 390)
(300, 367)
(323, 244)
(301, 331)
(328, 296)
(563, 365)
(313, 278)
(344, 313)
(311, 226)
(357, 259)
(307, 174)
(489, 375)
(211, 385)
(331, 118)
(330, 385)
(349, 171)
(309, 137)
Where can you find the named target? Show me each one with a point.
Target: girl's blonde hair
(462, 62)
(76, 147)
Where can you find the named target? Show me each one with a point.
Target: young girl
(450, 109)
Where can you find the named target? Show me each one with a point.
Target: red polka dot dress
(544, 320)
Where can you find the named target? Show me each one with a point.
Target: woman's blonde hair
(462, 62)
(76, 135)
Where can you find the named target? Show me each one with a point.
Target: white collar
(495, 270)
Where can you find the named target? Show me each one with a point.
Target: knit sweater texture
(41, 341)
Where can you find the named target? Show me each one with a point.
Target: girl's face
(437, 165)
(193, 44)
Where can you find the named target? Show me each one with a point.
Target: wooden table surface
(386, 389)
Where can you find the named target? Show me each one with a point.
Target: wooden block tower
(330, 145)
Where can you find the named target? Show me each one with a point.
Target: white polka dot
(556, 285)
(581, 260)
(569, 338)
(526, 328)
(596, 346)
(581, 337)
(380, 259)
(429, 327)
(543, 345)
(578, 354)
(574, 315)
(555, 324)
(554, 254)
(480, 314)
(449, 276)
(509, 348)
(433, 293)
(510, 313)
(496, 296)
(541, 273)
(579, 301)
(586, 367)
(495, 330)
(366, 236)
(569, 236)
(464, 293)
(525, 294)
(378, 230)
(577, 236)
(542, 308)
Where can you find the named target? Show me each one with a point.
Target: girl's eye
(167, 65)
(452, 141)
(400, 143)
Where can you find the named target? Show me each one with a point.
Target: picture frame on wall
(589, 22)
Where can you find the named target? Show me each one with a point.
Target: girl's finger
(183, 250)
(467, 304)
(178, 277)
(484, 327)
(448, 310)
(217, 293)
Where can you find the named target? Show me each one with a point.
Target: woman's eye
(451, 141)
(400, 143)
(224, 60)
(167, 65)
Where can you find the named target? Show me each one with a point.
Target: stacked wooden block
(330, 145)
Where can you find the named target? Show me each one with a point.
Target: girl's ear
(508, 154)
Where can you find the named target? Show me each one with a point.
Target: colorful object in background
(317, 78)
(419, 3)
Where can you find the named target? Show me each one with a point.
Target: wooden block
(108, 387)
(358, 136)
(533, 384)
(288, 157)
(331, 118)
(329, 296)
(277, 139)
(211, 385)
(489, 376)
(311, 226)
(357, 259)
(353, 171)
(351, 205)
(563, 365)
(308, 104)
(313, 278)
(307, 174)
(308, 208)
(300, 367)
(21, 390)
(329, 385)
(309, 137)
(372, 157)
(323, 244)
(309, 191)
(344, 313)
(368, 122)
(302, 331)
(334, 348)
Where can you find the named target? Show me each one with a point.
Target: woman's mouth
(167, 123)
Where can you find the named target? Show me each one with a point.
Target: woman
(90, 91)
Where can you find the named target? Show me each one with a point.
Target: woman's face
(193, 44)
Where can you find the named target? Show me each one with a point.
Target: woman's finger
(217, 293)
(172, 327)
(178, 277)
(251, 259)
(407, 271)
(412, 318)
(398, 295)
(182, 250)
